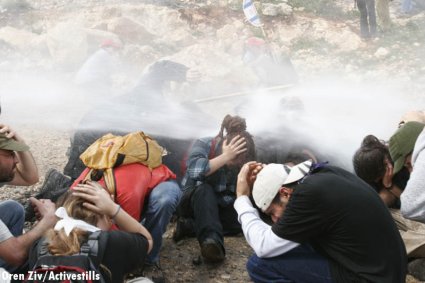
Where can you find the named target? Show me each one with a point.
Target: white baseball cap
(272, 177)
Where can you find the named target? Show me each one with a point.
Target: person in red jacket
(137, 185)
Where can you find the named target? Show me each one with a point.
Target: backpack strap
(43, 248)
(214, 143)
(95, 246)
(110, 182)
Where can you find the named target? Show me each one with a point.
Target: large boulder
(24, 41)
(130, 31)
(67, 44)
(281, 9)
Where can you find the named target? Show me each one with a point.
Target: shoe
(212, 251)
(53, 182)
(54, 185)
(416, 268)
(184, 228)
(154, 272)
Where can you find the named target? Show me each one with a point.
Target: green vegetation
(324, 8)
(14, 5)
(319, 46)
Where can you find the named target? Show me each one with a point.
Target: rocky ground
(42, 44)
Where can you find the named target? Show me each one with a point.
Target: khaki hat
(11, 144)
(403, 142)
(272, 177)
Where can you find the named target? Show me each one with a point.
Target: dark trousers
(301, 264)
(210, 219)
(367, 17)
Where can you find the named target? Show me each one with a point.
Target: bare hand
(11, 134)
(98, 199)
(44, 208)
(236, 146)
(246, 178)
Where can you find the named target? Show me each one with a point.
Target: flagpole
(253, 18)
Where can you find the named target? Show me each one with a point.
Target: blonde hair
(59, 242)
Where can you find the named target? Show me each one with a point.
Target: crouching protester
(149, 196)
(209, 186)
(85, 211)
(328, 226)
(18, 168)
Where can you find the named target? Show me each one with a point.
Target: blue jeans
(367, 17)
(13, 216)
(163, 201)
(301, 264)
(406, 6)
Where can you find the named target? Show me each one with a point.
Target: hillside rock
(282, 9)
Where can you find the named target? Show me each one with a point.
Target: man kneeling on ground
(328, 226)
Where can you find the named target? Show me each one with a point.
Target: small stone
(381, 52)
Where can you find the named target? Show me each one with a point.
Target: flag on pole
(251, 13)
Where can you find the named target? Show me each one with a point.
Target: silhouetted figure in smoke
(149, 90)
(96, 73)
(271, 70)
(367, 18)
(143, 108)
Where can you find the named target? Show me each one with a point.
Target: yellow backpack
(111, 151)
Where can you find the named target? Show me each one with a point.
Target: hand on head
(98, 199)
(246, 178)
(11, 134)
(236, 146)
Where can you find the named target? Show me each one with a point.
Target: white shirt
(98, 68)
(4, 232)
(258, 234)
(4, 276)
(413, 196)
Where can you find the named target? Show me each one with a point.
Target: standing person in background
(271, 69)
(367, 18)
(17, 167)
(96, 73)
(406, 6)
(209, 185)
(383, 11)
